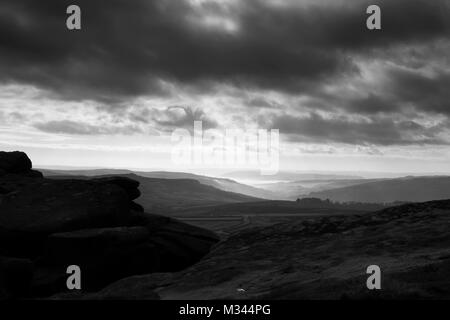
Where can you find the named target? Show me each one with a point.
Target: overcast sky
(343, 97)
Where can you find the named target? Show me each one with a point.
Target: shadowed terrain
(308, 249)
(322, 258)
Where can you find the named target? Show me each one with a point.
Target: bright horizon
(344, 98)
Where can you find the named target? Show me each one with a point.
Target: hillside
(168, 195)
(322, 258)
(219, 183)
(160, 195)
(228, 185)
(408, 189)
(272, 207)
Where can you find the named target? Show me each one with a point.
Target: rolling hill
(169, 195)
(293, 189)
(255, 175)
(219, 183)
(407, 189)
(323, 258)
(166, 195)
(224, 184)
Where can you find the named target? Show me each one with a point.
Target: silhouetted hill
(160, 195)
(408, 189)
(167, 195)
(228, 185)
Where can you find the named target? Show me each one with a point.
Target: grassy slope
(413, 189)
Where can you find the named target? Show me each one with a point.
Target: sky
(344, 98)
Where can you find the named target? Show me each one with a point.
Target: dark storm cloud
(369, 104)
(425, 93)
(377, 131)
(127, 49)
(404, 89)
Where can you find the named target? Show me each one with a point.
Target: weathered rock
(4, 190)
(126, 289)
(14, 162)
(92, 223)
(15, 277)
(106, 255)
(136, 207)
(85, 245)
(129, 185)
(33, 174)
(133, 288)
(35, 208)
(179, 244)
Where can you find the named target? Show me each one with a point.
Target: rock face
(321, 258)
(15, 277)
(47, 225)
(14, 162)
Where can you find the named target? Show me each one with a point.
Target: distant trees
(327, 203)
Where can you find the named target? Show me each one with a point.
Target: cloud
(424, 92)
(377, 131)
(126, 50)
(309, 66)
(182, 117)
(80, 128)
(260, 102)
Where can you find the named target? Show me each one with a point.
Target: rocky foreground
(324, 258)
(47, 225)
(128, 254)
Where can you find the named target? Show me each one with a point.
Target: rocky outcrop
(130, 186)
(320, 258)
(15, 277)
(16, 163)
(90, 223)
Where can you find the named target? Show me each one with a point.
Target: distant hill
(168, 195)
(293, 189)
(228, 185)
(287, 176)
(219, 183)
(407, 189)
(82, 172)
(160, 195)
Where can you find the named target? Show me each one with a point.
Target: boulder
(92, 223)
(15, 277)
(104, 255)
(126, 289)
(35, 208)
(179, 244)
(109, 254)
(14, 162)
(129, 185)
